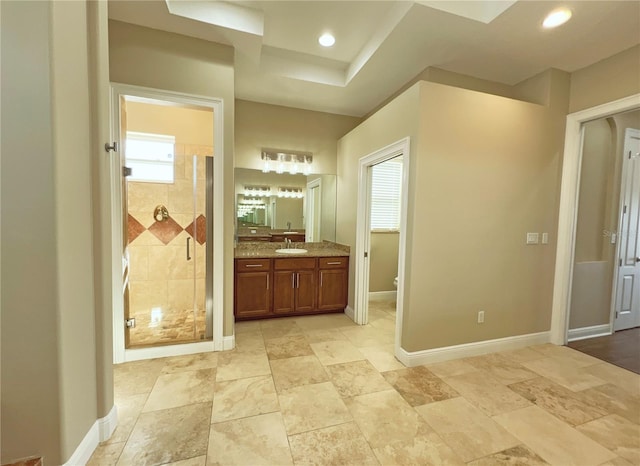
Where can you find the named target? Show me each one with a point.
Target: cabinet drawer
(333, 262)
(252, 265)
(295, 264)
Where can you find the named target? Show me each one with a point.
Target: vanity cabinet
(290, 286)
(294, 285)
(253, 278)
(333, 274)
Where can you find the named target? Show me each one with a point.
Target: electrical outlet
(481, 317)
(545, 238)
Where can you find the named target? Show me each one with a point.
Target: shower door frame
(120, 353)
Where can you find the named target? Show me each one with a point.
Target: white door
(627, 312)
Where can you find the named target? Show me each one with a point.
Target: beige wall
(188, 125)
(479, 196)
(610, 79)
(597, 166)
(438, 75)
(383, 265)
(49, 393)
(162, 60)
(328, 213)
(101, 196)
(472, 199)
(271, 126)
(289, 211)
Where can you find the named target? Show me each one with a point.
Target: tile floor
(320, 390)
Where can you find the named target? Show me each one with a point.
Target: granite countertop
(268, 250)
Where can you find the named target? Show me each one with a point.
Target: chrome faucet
(287, 243)
(288, 226)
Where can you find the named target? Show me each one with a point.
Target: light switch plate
(532, 238)
(545, 238)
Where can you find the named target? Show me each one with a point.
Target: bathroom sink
(290, 232)
(291, 251)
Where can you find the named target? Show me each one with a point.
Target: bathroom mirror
(267, 202)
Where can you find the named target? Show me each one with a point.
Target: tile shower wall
(161, 279)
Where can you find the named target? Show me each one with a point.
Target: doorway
(398, 151)
(313, 208)
(565, 278)
(166, 232)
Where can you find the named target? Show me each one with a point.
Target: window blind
(386, 183)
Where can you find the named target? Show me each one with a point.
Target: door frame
(363, 232)
(310, 213)
(120, 354)
(568, 211)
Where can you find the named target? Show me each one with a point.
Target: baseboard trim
(228, 343)
(350, 313)
(588, 332)
(382, 295)
(100, 431)
(169, 350)
(416, 358)
(108, 424)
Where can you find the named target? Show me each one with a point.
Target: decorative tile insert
(134, 228)
(166, 230)
(200, 224)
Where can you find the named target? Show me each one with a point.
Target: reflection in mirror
(269, 203)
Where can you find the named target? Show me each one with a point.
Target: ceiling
(381, 45)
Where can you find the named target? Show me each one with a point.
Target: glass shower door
(168, 238)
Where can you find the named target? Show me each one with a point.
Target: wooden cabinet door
(305, 290)
(332, 294)
(283, 291)
(253, 294)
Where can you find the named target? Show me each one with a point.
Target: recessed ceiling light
(556, 18)
(326, 40)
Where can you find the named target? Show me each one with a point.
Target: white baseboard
(350, 313)
(382, 295)
(588, 332)
(169, 350)
(100, 431)
(108, 424)
(416, 358)
(228, 343)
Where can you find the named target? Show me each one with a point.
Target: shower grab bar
(188, 253)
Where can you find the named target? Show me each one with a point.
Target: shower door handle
(188, 252)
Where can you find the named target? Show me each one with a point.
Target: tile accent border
(416, 358)
(100, 431)
(582, 333)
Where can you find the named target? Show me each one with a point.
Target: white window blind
(386, 182)
(150, 157)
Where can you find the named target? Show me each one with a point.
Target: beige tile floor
(320, 390)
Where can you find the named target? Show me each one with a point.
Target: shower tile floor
(162, 327)
(322, 390)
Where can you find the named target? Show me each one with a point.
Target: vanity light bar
(292, 162)
(290, 192)
(257, 191)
